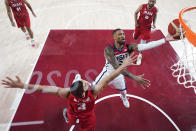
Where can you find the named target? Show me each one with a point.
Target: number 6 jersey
(18, 7)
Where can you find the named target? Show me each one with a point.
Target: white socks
(142, 41)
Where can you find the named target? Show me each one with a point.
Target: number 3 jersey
(81, 108)
(18, 7)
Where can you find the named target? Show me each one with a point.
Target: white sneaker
(125, 101)
(139, 59)
(77, 78)
(65, 115)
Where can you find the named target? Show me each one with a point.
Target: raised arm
(150, 45)
(110, 57)
(105, 81)
(9, 13)
(61, 92)
(29, 6)
(136, 15)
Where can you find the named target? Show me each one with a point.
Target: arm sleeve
(150, 45)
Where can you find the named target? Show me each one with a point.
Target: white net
(185, 69)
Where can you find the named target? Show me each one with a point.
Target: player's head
(151, 3)
(78, 88)
(119, 36)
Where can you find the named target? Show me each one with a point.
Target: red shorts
(22, 20)
(87, 124)
(143, 32)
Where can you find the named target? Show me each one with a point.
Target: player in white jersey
(115, 55)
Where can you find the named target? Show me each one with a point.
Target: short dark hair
(115, 31)
(77, 89)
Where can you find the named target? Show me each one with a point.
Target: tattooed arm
(110, 57)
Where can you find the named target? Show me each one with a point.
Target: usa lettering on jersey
(121, 57)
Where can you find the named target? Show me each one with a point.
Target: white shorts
(118, 83)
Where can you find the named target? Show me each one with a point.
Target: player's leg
(25, 32)
(28, 28)
(145, 35)
(136, 33)
(119, 84)
(31, 35)
(103, 73)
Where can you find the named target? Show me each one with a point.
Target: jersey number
(81, 106)
(18, 9)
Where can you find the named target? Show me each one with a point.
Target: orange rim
(189, 34)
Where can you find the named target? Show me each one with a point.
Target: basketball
(174, 29)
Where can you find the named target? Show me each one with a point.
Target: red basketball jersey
(146, 15)
(81, 108)
(18, 7)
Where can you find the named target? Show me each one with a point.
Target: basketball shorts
(118, 83)
(22, 20)
(87, 124)
(142, 32)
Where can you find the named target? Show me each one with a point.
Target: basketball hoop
(185, 69)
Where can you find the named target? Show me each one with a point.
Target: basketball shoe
(77, 78)
(65, 115)
(125, 101)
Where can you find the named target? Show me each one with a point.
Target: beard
(150, 6)
(121, 42)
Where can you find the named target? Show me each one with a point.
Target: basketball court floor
(72, 35)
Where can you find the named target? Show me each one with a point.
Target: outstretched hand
(130, 60)
(169, 38)
(142, 82)
(10, 83)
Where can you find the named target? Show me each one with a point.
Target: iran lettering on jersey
(18, 7)
(147, 15)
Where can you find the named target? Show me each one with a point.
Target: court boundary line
(140, 98)
(20, 95)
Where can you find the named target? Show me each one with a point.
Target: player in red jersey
(81, 95)
(21, 16)
(147, 17)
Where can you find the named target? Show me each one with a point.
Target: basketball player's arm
(9, 13)
(106, 80)
(154, 19)
(136, 15)
(150, 45)
(29, 6)
(110, 57)
(61, 92)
